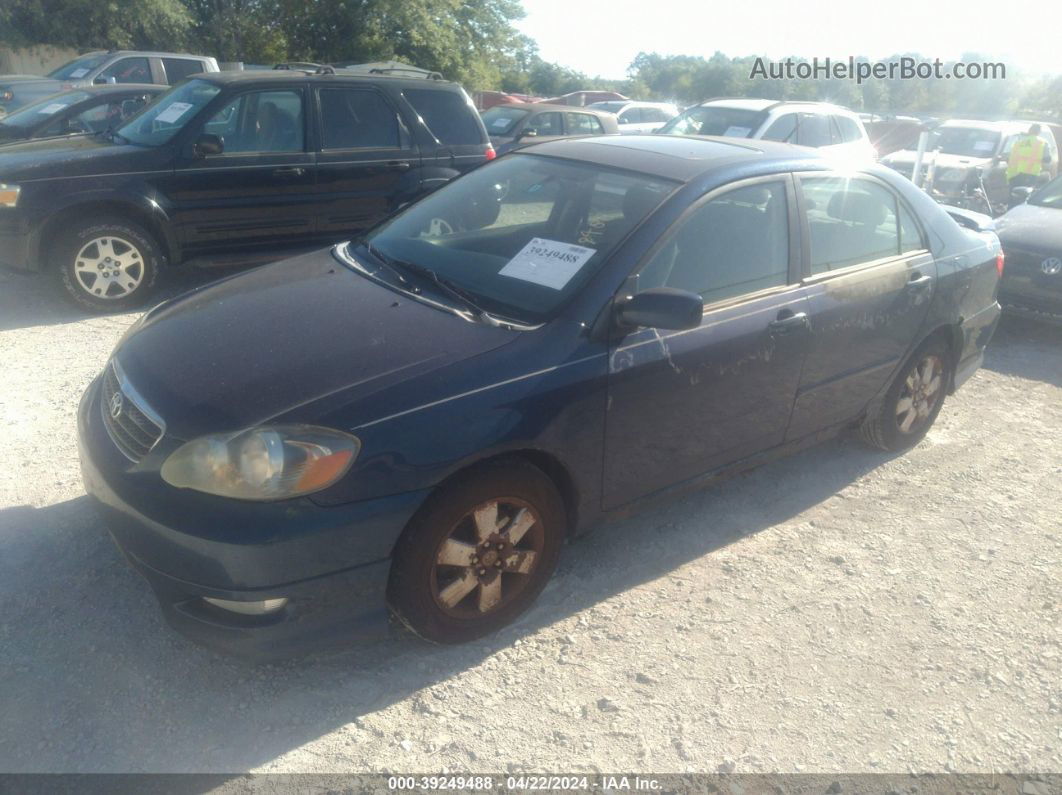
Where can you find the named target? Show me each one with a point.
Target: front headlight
(9, 195)
(267, 463)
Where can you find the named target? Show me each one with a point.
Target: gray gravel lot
(840, 610)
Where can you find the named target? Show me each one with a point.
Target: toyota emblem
(1052, 266)
(116, 405)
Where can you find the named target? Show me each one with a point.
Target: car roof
(551, 106)
(677, 157)
(147, 53)
(123, 88)
(332, 76)
(746, 103)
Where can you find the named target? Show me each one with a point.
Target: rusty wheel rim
(488, 558)
(922, 391)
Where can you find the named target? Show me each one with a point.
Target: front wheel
(478, 554)
(913, 401)
(107, 265)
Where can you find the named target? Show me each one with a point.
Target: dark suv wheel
(478, 554)
(107, 265)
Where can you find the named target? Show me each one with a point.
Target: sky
(601, 37)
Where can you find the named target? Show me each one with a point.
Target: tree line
(477, 43)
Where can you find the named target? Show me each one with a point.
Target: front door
(259, 191)
(870, 278)
(684, 403)
(367, 160)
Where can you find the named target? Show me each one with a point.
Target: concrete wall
(37, 60)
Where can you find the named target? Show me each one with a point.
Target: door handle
(289, 171)
(788, 321)
(918, 281)
(398, 165)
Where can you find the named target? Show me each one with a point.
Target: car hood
(78, 155)
(906, 157)
(1031, 228)
(295, 338)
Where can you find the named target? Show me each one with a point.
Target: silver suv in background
(967, 155)
(821, 125)
(101, 68)
(635, 118)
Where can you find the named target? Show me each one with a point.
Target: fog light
(259, 608)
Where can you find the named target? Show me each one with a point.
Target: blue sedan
(415, 421)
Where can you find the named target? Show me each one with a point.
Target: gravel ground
(836, 611)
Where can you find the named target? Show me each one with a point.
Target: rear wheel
(478, 553)
(913, 401)
(107, 265)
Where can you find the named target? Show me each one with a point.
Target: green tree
(88, 24)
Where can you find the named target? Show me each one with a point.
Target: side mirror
(530, 133)
(208, 144)
(662, 307)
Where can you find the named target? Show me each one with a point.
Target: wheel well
(951, 334)
(51, 232)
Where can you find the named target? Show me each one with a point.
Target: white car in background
(638, 117)
(816, 124)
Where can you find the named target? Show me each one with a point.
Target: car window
(177, 69)
(502, 121)
(631, 116)
(715, 120)
(849, 129)
(782, 129)
(910, 232)
(169, 113)
(79, 68)
(545, 124)
(128, 70)
(260, 121)
(32, 115)
(654, 115)
(814, 130)
(965, 141)
(850, 220)
(447, 114)
(583, 124)
(97, 118)
(523, 233)
(735, 244)
(354, 118)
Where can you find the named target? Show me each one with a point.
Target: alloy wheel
(922, 390)
(487, 558)
(109, 267)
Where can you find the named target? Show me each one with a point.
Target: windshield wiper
(445, 285)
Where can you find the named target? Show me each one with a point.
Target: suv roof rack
(305, 66)
(410, 69)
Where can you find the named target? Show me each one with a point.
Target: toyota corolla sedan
(414, 422)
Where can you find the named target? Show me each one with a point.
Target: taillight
(999, 264)
(490, 153)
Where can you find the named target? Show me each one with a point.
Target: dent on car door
(687, 402)
(260, 189)
(870, 278)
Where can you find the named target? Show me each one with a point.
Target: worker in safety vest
(1026, 159)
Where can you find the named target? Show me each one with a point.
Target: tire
(449, 581)
(912, 403)
(107, 265)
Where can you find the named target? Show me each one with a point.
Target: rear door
(688, 402)
(366, 155)
(260, 190)
(870, 278)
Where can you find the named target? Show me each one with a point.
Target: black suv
(230, 167)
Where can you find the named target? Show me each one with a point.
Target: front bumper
(331, 563)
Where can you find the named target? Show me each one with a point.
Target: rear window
(584, 124)
(447, 114)
(177, 69)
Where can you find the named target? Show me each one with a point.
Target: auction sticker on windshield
(173, 112)
(547, 262)
(77, 74)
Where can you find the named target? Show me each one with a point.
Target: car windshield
(161, 120)
(523, 234)
(31, 115)
(501, 121)
(77, 69)
(609, 107)
(1050, 195)
(715, 120)
(966, 141)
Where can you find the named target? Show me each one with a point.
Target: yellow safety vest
(1026, 157)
